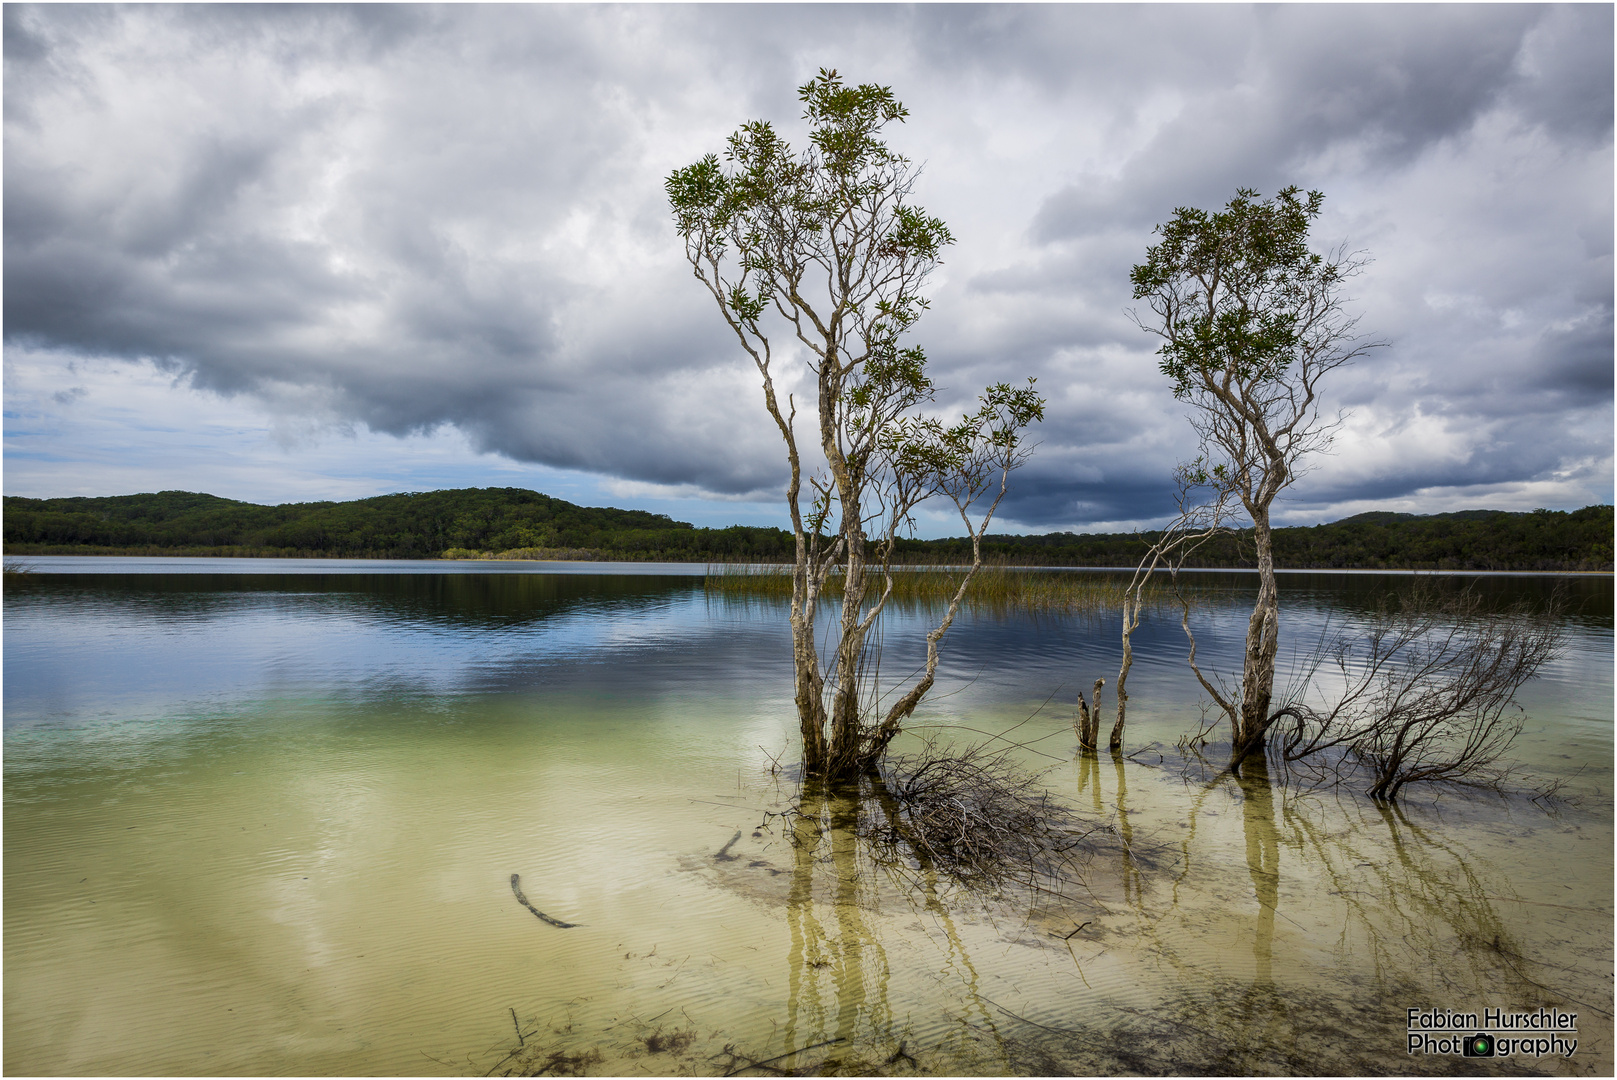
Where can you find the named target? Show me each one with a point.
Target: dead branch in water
(1428, 693)
(516, 887)
(770, 1063)
(977, 816)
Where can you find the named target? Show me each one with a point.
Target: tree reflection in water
(837, 968)
(1385, 914)
(1289, 939)
(1245, 986)
(1262, 862)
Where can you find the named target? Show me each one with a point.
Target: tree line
(491, 521)
(420, 525)
(1480, 540)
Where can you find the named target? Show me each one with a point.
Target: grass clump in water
(996, 589)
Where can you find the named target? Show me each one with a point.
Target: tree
(826, 244)
(1251, 320)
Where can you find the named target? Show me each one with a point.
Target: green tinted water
(262, 825)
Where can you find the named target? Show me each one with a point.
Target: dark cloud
(1387, 82)
(1577, 360)
(1564, 72)
(411, 217)
(1053, 503)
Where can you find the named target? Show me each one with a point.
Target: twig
(781, 1057)
(675, 975)
(1543, 903)
(497, 1064)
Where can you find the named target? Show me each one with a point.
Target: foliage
(1551, 540)
(1242, 299)
(404, 526)
(1466, 540)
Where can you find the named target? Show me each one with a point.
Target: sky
(292, 253)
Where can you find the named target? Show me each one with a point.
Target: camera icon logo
(1479, 1045)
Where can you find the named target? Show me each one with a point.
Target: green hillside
(412, 526)
(472, 521)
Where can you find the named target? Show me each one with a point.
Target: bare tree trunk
(1133, 602)
(1088, 723)
(1262, 645)
(1131, 621)
(809, 698)
(808, 682)
(846, 729)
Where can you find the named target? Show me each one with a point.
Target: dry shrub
(977, 816)
(1427, 693)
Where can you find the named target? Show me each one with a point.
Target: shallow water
(266, 823)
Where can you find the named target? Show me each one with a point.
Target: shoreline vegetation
(517, 524)
(997, 588)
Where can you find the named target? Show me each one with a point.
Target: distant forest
(516, 523)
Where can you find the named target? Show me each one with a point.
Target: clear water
(266, 822)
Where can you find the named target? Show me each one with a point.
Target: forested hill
(526, 524)
(423, 525)
(1464, 540)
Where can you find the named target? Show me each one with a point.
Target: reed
(997, 588)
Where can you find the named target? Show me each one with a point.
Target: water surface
(266, 822)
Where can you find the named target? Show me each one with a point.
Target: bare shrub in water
(1196, 523)
(977, 816)
(1427, 693)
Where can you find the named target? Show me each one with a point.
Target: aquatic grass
(998, 589)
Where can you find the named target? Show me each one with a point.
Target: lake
(264, 817)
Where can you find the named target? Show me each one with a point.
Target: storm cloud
(417, 220)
